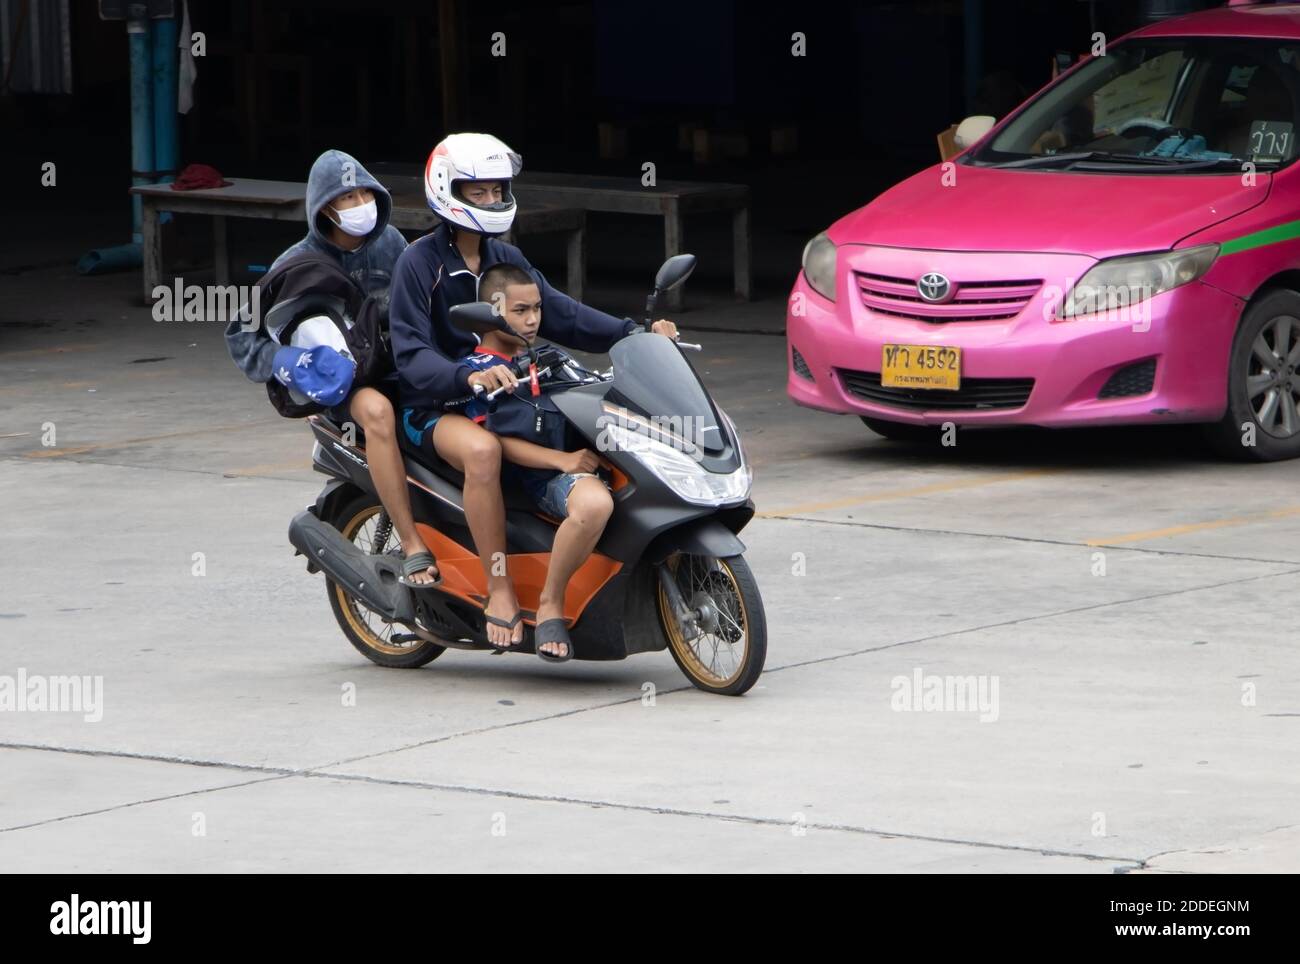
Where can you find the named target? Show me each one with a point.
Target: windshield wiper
(1108, 161)
(1043, 160)
(1163, 164)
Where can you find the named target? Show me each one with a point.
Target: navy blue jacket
(431, 354)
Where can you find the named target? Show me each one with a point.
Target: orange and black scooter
(669, 570)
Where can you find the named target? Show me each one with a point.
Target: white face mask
(358, 221)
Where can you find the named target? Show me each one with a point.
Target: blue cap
(320, 373)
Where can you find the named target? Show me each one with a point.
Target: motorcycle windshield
(652, 378)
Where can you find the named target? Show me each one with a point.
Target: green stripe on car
(1274, 235)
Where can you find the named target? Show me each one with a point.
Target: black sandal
(419, 562)
(553, 631)
(511, 624)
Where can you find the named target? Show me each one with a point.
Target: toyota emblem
(934, 287)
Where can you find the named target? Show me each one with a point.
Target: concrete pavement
(1129, 597)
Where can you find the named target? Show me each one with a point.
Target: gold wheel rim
(689, 658)
(353, 610)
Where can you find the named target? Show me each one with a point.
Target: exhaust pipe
(371, 579)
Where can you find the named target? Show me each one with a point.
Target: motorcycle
(668, 572)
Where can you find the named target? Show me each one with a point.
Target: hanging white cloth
(187, 71)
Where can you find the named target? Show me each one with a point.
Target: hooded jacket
(370, 265)
(432, 354)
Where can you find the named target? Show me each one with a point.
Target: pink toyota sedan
(1123, 248)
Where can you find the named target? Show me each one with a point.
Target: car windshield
(1177, 105)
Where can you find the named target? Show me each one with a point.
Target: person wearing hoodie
(347, 220)
(467, 184)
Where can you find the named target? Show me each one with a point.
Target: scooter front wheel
(363, 522)
(720, 639)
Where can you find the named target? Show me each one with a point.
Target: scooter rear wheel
(725, 651)
(378, 641)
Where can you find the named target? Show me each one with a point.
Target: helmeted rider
(468, 184)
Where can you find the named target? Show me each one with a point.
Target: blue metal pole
(165, 58)
(137, 32)
(126, 256)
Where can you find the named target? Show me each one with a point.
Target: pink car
(1123, 248)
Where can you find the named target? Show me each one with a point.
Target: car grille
(975, 393)
(972, 301)
(1136, 379)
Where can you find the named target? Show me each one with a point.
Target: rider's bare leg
(590, 506)
(474, 451)
(374, 413)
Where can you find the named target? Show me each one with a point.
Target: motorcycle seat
(515, 498)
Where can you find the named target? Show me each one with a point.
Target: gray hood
(334, 173)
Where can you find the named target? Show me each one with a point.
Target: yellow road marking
(891, 494)
(122, 443)
(268, 468)
(1197, 527)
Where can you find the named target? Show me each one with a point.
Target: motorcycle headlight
(681, 473)
(819, 265)
(1118, 283)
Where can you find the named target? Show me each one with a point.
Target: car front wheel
(1262, 422)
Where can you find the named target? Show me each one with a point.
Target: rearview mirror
(674, 271)
(477, 317)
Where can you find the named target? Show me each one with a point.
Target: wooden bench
(411, 211)
(286, 201)
(671, 200)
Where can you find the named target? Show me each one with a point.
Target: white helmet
(471, 157)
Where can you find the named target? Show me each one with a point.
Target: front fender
(698, 537)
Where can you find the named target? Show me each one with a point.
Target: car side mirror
(972, 129)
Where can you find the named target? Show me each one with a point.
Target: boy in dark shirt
(564, 485)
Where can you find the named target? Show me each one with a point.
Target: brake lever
(478, 389)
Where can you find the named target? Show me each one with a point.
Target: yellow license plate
(921, 366)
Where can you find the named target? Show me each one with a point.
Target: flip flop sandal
(510, 624)
(553, 631)
(418, 563)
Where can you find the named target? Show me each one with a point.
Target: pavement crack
(273, 774)
(716, 815)
(1027, 619)
(500, 726)
(138, 803)
(1004, 537)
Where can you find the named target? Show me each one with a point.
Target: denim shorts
(554, 496)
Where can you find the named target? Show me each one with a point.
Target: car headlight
(1122, 282)
(681, 473)
(819, 265)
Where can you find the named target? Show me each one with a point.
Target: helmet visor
(507, 201)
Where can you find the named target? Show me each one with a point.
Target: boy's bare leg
(374, 413)
(590, 506)
(476, 453)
